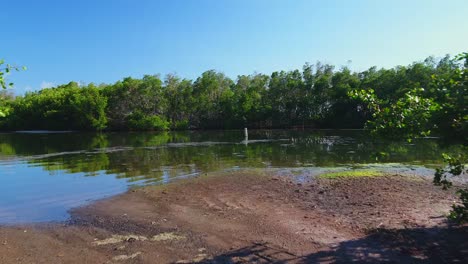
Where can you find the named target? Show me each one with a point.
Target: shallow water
(43, 175)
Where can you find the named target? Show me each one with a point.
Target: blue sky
(104, 41)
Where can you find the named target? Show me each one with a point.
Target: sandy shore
(250, 218)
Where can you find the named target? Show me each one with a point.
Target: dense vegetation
(442, 106)
(418, 99)
(422, 99)
(438, 105)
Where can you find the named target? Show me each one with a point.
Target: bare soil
(250, 218)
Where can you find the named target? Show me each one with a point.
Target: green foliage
(439, 105)
(409, 117)
(421, 99)
(5, 101)
(181, 125)
(249, 99)
(455, 167)
(66, 107)
(451, 91)
(180, 102)
(125, 97)
(139, 121)
(88, 108)
(459, 212)
(5, 69)
(351, 174)
(212, 100)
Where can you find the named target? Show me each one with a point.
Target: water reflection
(37, 168)
(153, 155)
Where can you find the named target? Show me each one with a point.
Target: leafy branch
(5, 70)
(456, 166)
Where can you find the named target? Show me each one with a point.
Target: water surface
(43, 175)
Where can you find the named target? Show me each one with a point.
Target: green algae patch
(351, 174)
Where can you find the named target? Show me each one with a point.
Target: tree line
(424, 96)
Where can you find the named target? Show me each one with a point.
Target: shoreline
(240, 217)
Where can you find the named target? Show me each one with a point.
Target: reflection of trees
(25, 144)
(75, 163)
(149, 157)
(6, 149)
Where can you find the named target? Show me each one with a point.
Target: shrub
(181, 125)
(456, 166)
(139, 121)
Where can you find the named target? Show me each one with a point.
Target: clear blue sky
(104, 41)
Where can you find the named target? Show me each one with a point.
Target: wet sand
(252, 218)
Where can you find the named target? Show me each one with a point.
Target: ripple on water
(43, 175)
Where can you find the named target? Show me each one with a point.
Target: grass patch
(351, 174)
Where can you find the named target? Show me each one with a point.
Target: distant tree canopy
(419, 99)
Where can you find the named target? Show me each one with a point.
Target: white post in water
(246, 134)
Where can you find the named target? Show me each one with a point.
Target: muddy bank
(250, 218)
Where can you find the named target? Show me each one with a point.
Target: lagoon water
(43, 175)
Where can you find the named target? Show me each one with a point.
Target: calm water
(42, 175)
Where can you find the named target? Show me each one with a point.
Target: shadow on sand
(413, 245)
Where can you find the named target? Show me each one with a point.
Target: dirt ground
(248, 218)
